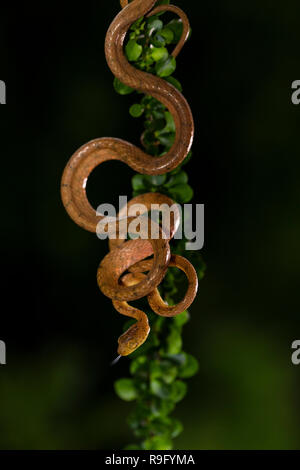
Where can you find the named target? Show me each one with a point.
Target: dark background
(56, 391)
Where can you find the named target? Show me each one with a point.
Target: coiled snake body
(125, 274)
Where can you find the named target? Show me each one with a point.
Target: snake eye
(133, 338)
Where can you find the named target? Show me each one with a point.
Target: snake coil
(128, 273)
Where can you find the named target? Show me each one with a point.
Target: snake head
(133, 338)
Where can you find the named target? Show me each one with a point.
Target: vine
(160, 366)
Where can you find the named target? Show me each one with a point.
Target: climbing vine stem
(160, 366)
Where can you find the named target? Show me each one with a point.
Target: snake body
(125, 274)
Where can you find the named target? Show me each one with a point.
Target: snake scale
(128, 273)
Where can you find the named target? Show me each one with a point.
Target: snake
(134, 269)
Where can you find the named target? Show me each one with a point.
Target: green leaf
(167, 139)
(148, 138)
(179, 178)
(162, 425)
(176, 27)
(158, 41)
(179, 359)
(121, 88)
(189, 368)
(154, 24)
(170, 124)
(148, 61)
(174, 82)
(138, 182)
(125, 389)
(136, 110)
(159, 115)
(167, 34)
(159, 389)
(182, 193)
(133, 50)
(179, 390)
(157, 443)
(169, 372)
(156, 124)
(137, 24)
(139, 414)
(157, 180)
(182, 319)
(155, 370)
(160, 407)
(138, 364)
(174, 342)
(165, 67)
(159, 53)
(163, 370)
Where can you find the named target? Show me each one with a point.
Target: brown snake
(125, 274)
